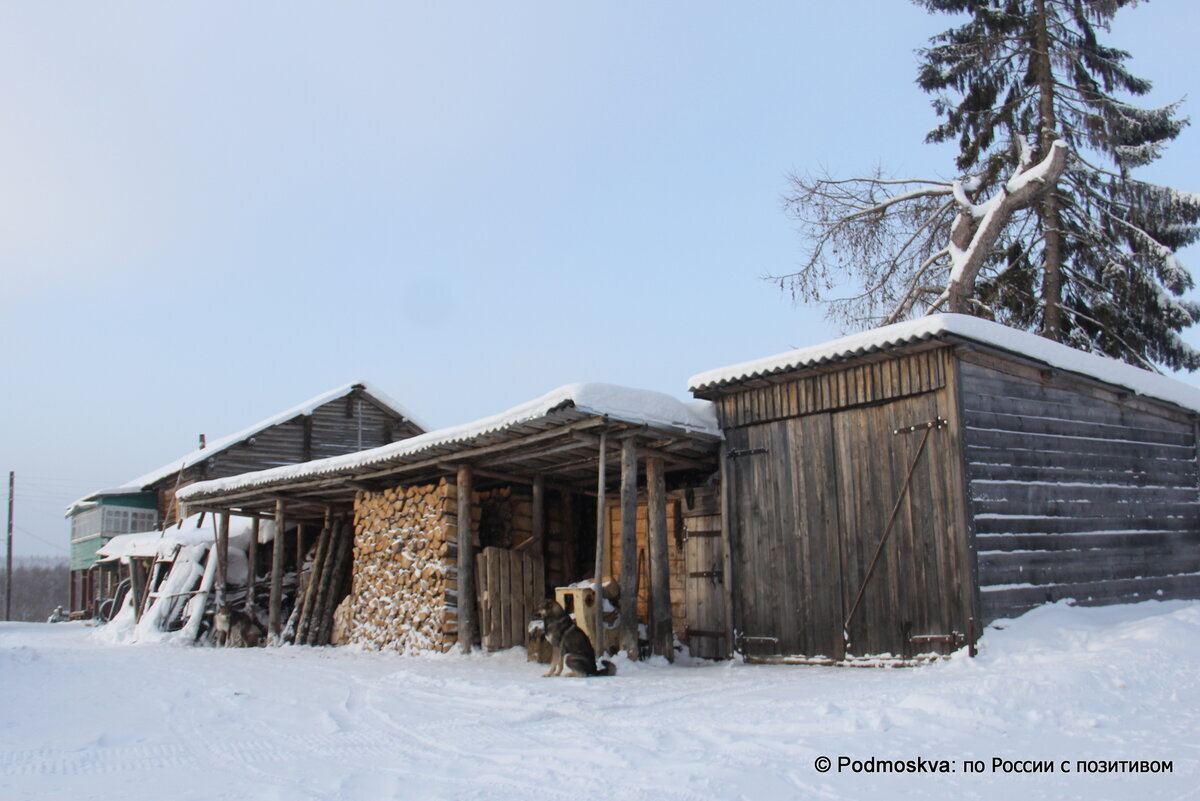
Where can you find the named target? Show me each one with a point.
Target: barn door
(810, 502)
(904, 573)
(704, 579)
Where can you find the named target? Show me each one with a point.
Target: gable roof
(224, 443)
(624, 404)
(964, 327)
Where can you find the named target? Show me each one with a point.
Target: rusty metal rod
(887, 529)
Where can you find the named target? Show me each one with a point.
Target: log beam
(275, 622)
(628, 621)
(252, 560)
(598, 581)
(222, 562)
(466, 561)
(662, 636)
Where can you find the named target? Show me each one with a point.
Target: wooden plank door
(704, 591)
(785, 538)
(920, 584)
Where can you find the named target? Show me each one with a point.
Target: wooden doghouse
(892, 492)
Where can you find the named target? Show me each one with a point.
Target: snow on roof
(155, 543)
(626, 404)
(973, 328)
(216, 446)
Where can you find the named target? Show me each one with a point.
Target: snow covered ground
(82, 718)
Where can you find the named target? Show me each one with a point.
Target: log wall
(1078, 490)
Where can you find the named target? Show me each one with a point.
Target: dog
(571, 647)
(237, 630)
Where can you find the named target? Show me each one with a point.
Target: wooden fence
(511, 585)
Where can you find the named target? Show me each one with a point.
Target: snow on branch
(883, 249)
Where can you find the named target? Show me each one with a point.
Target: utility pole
(8, 562)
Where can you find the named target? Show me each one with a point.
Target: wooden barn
(589, 491)
(349, 418)
(889, 494)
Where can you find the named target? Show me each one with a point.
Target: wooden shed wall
(1078, 490)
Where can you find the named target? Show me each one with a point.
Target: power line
(29, 533)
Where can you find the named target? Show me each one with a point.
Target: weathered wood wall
(1079, 490)
(878, 378)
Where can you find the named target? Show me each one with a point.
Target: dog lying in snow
(571, 647)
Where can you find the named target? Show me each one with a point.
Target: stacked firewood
(405, 566)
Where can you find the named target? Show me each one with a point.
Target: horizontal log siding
(868, 383)
(1077, 492)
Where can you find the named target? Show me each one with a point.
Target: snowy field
(82, 719)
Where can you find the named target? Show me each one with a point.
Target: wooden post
(311, 589)
(538, 566)
(222, 561)
(466, 562)
(662, 635)
(598, 582)
(344, 531)
(628, 624)
(538, 524)
(299, 552)
(570, 536)
(12, 477)
(322, 600)
(727, 550)
(252, 577)
(136, 586)
(275, 624)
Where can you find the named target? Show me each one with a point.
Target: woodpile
(405, 568)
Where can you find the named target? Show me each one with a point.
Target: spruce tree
(1093, 262)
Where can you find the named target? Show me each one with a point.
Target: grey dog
(572, 647)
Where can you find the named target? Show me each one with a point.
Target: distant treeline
(39, 585)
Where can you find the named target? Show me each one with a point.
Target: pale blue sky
(212, 211)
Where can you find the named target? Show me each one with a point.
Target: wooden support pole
(727, 550)
(252, 576)
(538, 524)
(628, 622)
(314, 574)
(662, 635)
(570, 537)
(342, 556)
(324, 579)
(136, 587)
(299, 550)
(598, 582)
(275, 622)
(466, 562)
(222, 562)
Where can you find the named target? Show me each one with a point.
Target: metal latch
(734, 453)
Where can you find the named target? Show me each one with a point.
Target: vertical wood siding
(875, 381)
